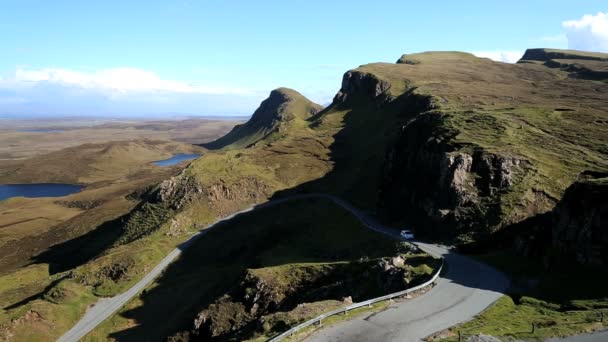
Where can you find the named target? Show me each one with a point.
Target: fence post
(459, 335)
(533, 327)
(601, 316)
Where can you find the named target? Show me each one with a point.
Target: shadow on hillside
(37, 295)
(211, 268)
(80, 250)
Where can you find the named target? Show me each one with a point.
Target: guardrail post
(601, 316)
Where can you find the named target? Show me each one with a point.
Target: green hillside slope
(285, 109)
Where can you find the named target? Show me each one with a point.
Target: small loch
(178, 158)
(37, 190)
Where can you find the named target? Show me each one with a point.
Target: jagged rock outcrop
(258, 294)
(461, 188)
(406, 59)
(580, 221)
(356, 84)
(282, 106)
(575, 232)
(177, 191)
(180, 190)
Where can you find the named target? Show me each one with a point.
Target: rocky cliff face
(360, 85)
(580, 221)
(428, 174)
(246, 307)
(183, 189)
(573, 233)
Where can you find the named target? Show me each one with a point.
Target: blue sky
(222, 57)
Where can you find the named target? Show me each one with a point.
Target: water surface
(178, 158)
(37, 190)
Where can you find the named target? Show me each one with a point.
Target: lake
(37, 190)
(178, 158)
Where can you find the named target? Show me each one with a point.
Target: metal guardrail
(344, 310)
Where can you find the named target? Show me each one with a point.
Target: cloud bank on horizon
(589, 33)
(116, 91)
(135, 91)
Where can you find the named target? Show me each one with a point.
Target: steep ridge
(544, 55)
(580, 64)
(283, 108)
(499, 144)
(461, 145)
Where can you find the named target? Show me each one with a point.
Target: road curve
(466, 288)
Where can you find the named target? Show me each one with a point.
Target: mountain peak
(282, 106)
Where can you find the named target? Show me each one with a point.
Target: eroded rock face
(426, 174)
(356, 83)
(580, 223)
(259, 295)
(221, 317)
(180, 190)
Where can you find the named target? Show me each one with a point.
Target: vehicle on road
(407, 234)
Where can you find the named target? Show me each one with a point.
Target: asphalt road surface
(465, 289)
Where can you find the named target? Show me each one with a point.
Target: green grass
(514, 320)
(561, 302)
(522, 111)
(285, 246)
(284, 112)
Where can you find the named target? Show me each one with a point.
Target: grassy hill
(267, 270)
(460, 147)
(284, 110)
(91, 163)
(43, 239)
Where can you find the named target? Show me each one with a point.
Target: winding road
(463, 290)
(466, 288)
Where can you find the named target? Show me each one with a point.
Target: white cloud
(118, 91)
(500, 56)
(116, 81)
(589, 33)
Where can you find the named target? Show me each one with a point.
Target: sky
(222, 57)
